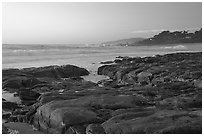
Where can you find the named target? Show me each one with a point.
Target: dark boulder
(76, 129)
(144, 78)
(9, 105)
(11, 72)
(95, 129)
(5, 130)
(181, 102)
(6, 115)
(20, 81)
(167, 121)
(57, 71)
(57, 119)
(28, 94)
(108, 70)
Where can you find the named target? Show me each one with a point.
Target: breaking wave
(175, 47)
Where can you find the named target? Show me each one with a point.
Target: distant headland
(164, 37)
(167, 37)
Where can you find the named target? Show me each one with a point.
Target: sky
(76, 23)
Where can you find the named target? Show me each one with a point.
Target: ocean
(89, 57)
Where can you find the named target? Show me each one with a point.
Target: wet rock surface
(160, 94)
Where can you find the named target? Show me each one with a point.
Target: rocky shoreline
(160, 94)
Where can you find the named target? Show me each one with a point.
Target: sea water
(89, 57)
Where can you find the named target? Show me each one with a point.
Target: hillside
(167, 37)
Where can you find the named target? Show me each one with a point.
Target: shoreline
(99, 62)
(88, 58)
(134, 83)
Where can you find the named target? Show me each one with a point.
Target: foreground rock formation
(160, 94)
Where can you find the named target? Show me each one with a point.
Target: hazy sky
(94, 22)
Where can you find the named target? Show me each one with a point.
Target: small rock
(95, 129)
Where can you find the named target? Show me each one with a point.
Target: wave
(175, 47)
(21, 50)
(34, 50)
